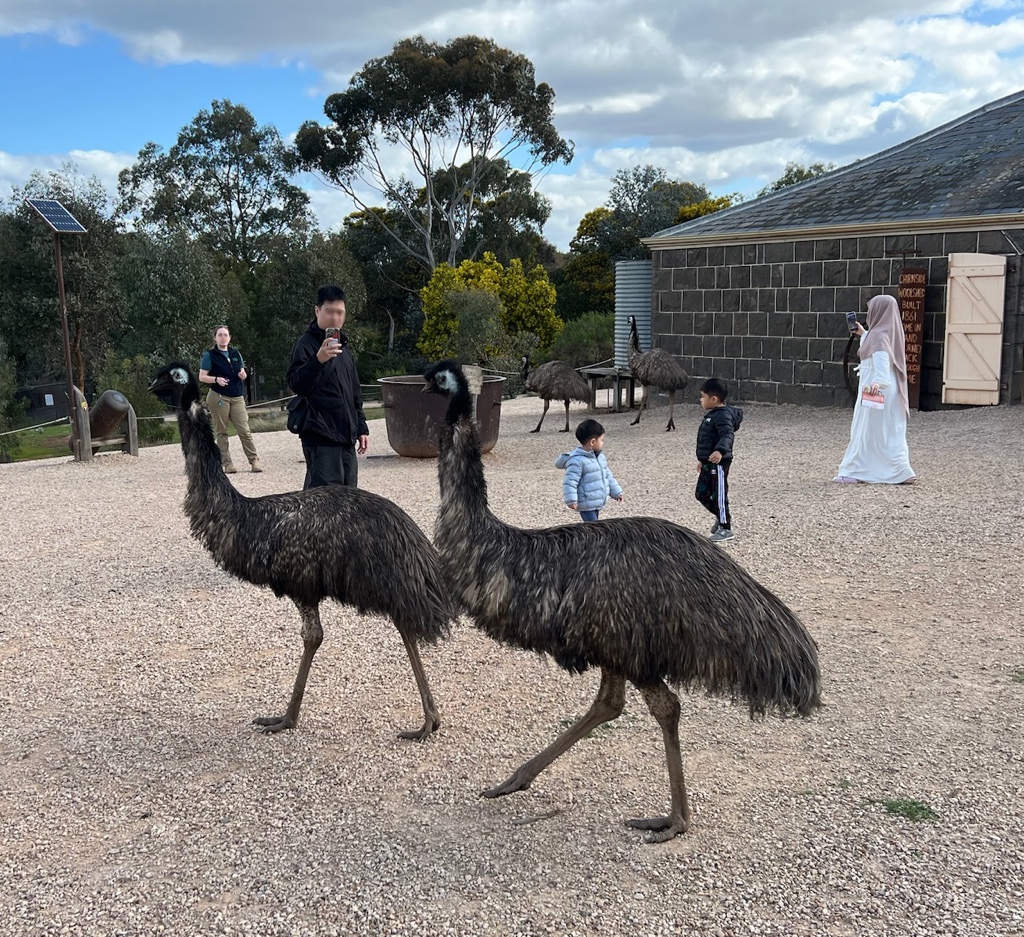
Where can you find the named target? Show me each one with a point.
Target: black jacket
(335, 413)
(717, 430)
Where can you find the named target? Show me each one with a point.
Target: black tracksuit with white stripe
(716, 433)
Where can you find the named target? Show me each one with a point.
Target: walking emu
(655, 368)
(336, 543)
(641, 598)
(555, 380)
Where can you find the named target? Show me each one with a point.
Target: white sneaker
(721, 535)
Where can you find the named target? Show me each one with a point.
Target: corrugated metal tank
(633, 280)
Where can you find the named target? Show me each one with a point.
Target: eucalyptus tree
(450, 111)
(225, 181)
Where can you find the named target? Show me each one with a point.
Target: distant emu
(336, 543)
(655, 368)
(555, 380)
(641, 598)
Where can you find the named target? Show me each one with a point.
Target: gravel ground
(137, 799)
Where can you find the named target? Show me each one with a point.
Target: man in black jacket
(323, 373)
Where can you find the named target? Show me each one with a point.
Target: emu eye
(179, 376)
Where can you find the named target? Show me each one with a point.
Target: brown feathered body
(335, 542)
(655, 368)
(641, 598)
(555, 380)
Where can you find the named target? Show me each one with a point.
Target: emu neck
(460, 474)
(210, 494)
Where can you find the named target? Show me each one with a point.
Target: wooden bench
(619, 377)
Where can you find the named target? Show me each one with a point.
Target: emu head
(446, 378)
(176, 385)
(525, 370)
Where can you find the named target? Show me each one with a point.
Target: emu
(555, 380)
(640, 598)
(336, 543)
(655, 368)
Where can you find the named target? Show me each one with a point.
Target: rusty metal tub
(414, 419)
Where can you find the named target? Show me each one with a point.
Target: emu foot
(671, 426)
(423, 733)
(269, 724)
(509, 786)
(662, 828)
(566, 430)
(637, 420)
(537, 430)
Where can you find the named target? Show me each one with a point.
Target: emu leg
(671, 410)
(536, 429)
(566, 430)
(643, 406)
(611, 697)
(312, 638)
(431, 717)
(664, 706)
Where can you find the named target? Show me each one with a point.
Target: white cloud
(723, 94)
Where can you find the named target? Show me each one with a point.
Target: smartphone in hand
(851, 321)
(333, 335)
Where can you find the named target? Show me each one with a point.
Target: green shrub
(585, 341)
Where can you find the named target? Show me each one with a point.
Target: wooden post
(475, 380)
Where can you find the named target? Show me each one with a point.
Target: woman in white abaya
(877, 451)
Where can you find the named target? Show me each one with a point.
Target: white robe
(878, 438)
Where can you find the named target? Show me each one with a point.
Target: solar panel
(56, 215)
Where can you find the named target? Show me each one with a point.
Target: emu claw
(423, 733)
(662, 828)
(510, 786)
(269, 724)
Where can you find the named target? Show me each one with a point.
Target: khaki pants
(230, 409)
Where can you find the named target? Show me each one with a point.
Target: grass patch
(909, 808)
(1018, 677)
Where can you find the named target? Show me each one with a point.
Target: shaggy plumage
(640, 598)
(335, 542)
(655, 368)
(555, 380)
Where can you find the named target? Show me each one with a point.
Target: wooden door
(975, 300)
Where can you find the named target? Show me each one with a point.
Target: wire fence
(374, 389)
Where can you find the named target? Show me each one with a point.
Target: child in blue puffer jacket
(588, 482)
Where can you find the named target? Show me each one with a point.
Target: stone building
(757, 293)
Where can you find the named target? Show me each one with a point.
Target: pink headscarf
(885, 333)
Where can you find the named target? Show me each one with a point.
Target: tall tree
(225, 181)
(287, 291)
(797, 172)
(175, 294)
(452, 110)
(642, 201)
(29, 307)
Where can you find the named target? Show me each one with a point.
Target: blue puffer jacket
(588, 481)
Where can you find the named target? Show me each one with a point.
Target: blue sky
(723, 95)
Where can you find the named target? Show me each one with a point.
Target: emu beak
(426, 389)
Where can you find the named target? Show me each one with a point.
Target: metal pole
(72, 408)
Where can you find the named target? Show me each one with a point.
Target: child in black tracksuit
(714, 453)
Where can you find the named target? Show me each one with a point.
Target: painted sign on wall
(913, 282)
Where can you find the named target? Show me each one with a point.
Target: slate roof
(972, 166)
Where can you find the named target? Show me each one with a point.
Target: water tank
(633, 282)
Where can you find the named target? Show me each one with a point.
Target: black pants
(330, 465)
(713, 491)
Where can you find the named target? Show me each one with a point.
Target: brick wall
(770, 317)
